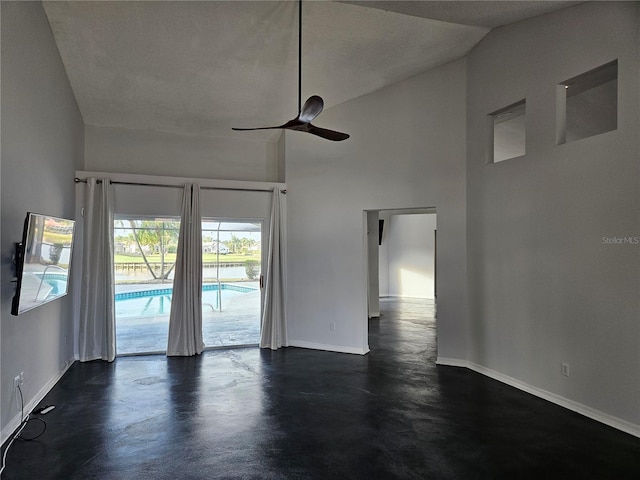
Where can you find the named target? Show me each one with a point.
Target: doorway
(401, 256)
(144, 266)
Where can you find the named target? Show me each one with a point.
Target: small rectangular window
(587, 105)
(509, 132)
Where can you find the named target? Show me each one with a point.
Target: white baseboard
(452, 362)
(589, 412)
(15, 422)
(329, 348)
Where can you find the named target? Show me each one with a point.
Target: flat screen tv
(43, 261)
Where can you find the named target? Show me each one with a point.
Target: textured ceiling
(199, 68)
(488, 14)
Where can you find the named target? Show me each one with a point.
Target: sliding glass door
(232, 268)
(144, 263)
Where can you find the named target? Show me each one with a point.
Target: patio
(237, 324)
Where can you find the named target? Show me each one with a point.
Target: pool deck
(237, 324)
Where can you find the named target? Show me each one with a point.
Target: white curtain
(185, 320)
(97, 333)
(274, 321)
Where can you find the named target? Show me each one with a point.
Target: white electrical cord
(23, 424)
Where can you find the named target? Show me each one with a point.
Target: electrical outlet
(565, 369)
(332, 326)
(18, 381)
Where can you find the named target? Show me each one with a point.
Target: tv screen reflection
(44, 261)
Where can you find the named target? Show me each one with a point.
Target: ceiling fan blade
(311, 109)
(299, 126)
(255, 128)
(291, 124)
(328, 134)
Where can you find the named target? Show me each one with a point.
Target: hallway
(306, 414)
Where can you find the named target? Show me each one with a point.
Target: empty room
(320, 239)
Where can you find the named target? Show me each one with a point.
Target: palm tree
(149, 233)
(245, 242)
(236, 243)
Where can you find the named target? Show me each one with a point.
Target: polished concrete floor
(304, 414)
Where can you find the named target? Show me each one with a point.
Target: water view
(145, 252)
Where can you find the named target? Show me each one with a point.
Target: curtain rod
(235, 189)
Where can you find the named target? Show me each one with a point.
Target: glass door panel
(144, 264)
(231, 270)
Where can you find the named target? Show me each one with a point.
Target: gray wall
(406, 150)
(543, 286)
(42, 145)
(143, 152)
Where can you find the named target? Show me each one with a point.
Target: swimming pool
(56, 281)
(145, 303)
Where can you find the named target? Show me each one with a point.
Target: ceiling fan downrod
(311, 108)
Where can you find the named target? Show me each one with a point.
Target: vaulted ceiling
(200, 68)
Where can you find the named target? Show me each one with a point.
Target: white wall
(217, 197)
(543, 287)
(411, 254)
(383, 256)
(144, 152)
(42, 146)
(373, 270)
(406, 150)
